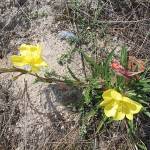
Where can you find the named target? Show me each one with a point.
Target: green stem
(42, 79)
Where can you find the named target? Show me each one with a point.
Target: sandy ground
(43, 122)
(42, 118)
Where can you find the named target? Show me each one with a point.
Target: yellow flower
(118, 107)
(29, 55)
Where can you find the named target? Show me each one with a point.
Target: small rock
(65, 35)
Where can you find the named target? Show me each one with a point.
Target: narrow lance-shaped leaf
(101, 123)
(95, 68)
(106, 67)
(124, 57)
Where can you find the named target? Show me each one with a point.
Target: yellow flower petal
(24, 49)
(18, 60)
(111, 94)
(30, 50)
(119, 116)
(44, 64)
(111, 109)
(37, 63)
(105, 102)
(36, 48)
(107, 95)
(35, 69)
(134, 107)
(110, 112)
(119, 107)
(116, 95)
(29, 55)
(129, 116)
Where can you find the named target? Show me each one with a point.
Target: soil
(42, 121)
(33, 116)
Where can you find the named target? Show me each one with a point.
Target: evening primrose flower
(30, 55)
(118, 106)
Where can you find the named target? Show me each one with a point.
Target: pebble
(66, 35)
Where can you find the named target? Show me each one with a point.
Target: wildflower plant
(111, 90)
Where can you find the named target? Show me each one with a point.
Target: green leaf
(120, 82)
(87, 95)
(101, 124)
(35, 81)
(144, 81)
(131, 128)
(94, 83)
(143, 102)
(147, 113)
(107, 74)
(141, 146)
(95, 68)
(124, 57)
(110, 56)
(68, 82)
(51, 73)
(146, 89)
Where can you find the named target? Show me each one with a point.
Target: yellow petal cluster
(118, 106)
(29, 55)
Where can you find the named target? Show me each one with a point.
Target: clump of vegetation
(109, 84)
